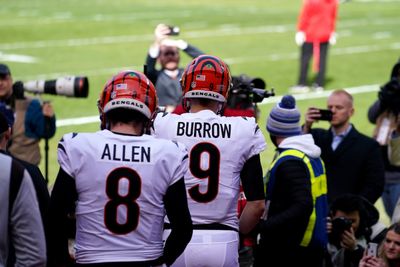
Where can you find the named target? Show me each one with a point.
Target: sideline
(275, 99)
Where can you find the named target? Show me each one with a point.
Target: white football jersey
(218, 147)
(121, 181)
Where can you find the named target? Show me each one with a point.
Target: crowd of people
(161, 187)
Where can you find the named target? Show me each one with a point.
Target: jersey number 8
(128, 200)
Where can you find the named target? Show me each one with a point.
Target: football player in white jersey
(121, 183)
(222, 150)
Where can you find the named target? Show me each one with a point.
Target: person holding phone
(353, 160)
(388, 251)
(165, 51)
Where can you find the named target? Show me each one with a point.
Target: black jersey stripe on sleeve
(60, 146)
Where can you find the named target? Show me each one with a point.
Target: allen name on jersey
(127, 153)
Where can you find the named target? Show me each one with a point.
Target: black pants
(305, 57)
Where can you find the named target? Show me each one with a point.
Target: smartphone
(173, 30)
(372, 249)
(326, 115)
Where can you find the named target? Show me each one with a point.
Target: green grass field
(46, 39)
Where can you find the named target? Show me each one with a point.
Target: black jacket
(288, 215)
(355, 167)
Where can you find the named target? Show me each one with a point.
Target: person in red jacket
(315, 31)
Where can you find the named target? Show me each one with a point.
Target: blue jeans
(390, 195)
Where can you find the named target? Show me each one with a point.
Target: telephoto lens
(66, 86)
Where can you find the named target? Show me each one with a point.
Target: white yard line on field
(324, 94)
(223, 30)
(230, 61)
(17, 58)
(352, 90)
(334, 51)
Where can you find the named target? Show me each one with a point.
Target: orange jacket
(317, 19)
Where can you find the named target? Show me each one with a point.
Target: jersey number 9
(211, 173)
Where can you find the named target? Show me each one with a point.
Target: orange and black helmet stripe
(215, 72)
(139, 87)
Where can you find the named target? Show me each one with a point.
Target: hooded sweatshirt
(291, 200)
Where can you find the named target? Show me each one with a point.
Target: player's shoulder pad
(161, 113)
(66, 138)
(179, 145)
(245, 120)
(251, 121)
(181, 148)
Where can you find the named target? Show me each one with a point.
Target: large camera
(247, 91)
(396, 71)
(389, 95)
(71, 86)
(339, 225)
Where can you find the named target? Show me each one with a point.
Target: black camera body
(246, 92)
(339, 225)
(389, 96)
(389, 93)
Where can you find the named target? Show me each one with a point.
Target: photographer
(384, 113)
(166, 51)
(353, 161)
(350, 230)
(33, 121)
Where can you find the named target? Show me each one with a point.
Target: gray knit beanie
(284, 118)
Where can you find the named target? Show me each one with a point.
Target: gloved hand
(161, 32)
(332, 38)
(300, 38)
(175, 43)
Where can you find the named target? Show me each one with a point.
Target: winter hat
(284, 118)
(4, 70)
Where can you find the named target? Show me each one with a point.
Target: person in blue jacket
(33, 120)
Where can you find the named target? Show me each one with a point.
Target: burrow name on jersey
(203, 129)
(126, 153)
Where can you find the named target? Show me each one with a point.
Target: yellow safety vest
(318, 188)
